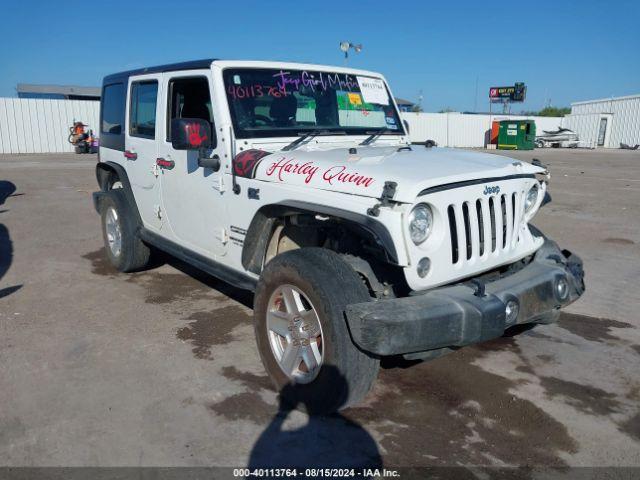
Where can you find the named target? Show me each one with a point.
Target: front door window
(189, 98)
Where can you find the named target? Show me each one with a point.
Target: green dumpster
(516, 135)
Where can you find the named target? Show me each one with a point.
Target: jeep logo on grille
(490, 190)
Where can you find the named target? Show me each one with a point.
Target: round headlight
(420, 223)
(531, 198)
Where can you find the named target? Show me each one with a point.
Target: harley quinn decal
(245, 163)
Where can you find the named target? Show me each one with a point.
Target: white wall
(42, 126)
(460, 130)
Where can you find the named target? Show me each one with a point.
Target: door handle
(166, 164)
(129, 155)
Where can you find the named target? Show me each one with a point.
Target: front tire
(302, 333)
(124, 249)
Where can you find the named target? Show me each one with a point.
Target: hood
(365, 172)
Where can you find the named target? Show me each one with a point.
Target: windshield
(285, 103)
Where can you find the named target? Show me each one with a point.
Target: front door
(192, 197)
(141, 147)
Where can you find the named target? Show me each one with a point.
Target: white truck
(298, 182)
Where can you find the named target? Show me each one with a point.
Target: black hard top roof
(170, 67)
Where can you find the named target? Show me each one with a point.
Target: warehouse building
(607, 122)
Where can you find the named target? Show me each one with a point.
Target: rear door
(192, 196)
(141, 148)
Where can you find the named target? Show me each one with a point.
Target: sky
(442, 50)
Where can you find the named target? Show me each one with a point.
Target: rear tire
(325, 285)
(123, 246)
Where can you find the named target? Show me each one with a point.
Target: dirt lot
(160, 367)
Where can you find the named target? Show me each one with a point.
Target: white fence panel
(427, 126)
(11, 132)
(42, 125)
(464, 130)
(19, 115)
(468, 130)
(5, 140)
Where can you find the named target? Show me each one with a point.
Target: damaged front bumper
(470, 312)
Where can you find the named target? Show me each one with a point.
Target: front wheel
(302, 333)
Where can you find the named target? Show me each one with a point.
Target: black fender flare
(104, 170)
(259, 231)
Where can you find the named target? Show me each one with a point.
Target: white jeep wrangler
(298, 182)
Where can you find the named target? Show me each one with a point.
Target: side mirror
(406, 125)
(190, 134)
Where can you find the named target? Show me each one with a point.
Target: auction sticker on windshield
(373, 90)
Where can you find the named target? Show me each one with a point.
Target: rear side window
(142, 111)
(113, 109)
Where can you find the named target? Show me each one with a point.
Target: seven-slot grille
(484, 226)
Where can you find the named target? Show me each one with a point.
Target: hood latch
(388, 192)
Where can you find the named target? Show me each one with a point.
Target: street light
(345, 46)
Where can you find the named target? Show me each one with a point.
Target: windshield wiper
(373, 135)
(311, 134)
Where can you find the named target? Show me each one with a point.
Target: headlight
(420, 223)
(531, 199)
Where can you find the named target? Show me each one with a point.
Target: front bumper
(471, 312)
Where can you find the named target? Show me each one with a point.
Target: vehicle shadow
(325, 441)
(6, 245)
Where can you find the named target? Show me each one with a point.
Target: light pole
(345, 46)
